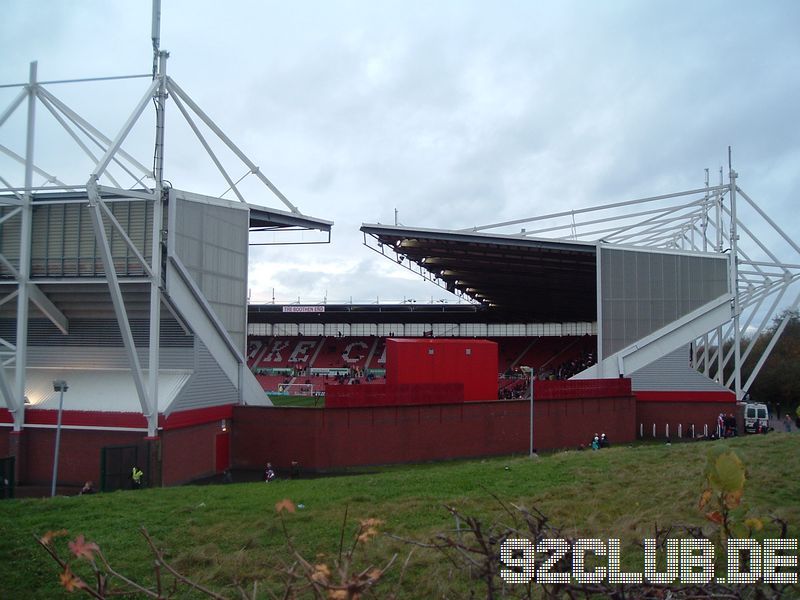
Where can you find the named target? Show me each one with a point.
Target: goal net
(296, 389)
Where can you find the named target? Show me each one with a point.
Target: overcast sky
(454, 113)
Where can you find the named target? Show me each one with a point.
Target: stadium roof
(267, 219)
(536, 279)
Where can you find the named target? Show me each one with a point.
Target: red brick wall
(4, 431)
(687, 412)
(333, 438)
(79, 455)
(188, 453)
(387, 394)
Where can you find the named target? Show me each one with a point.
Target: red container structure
(472, 363)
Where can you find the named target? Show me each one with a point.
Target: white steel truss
(114, 174)
(764, 261)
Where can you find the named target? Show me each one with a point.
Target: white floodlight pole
(26, 226)
(734, 278)
(154, 357)
(718, 215)
(58, 386)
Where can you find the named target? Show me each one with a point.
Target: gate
(6, 477)
(116, 465)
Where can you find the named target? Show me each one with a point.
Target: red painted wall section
(328, 439)
(4, 450)
(582, 388)
(189, 453)
(681, 408)
(424, 360)
(79, 455)
(386, 394)
(187, 443)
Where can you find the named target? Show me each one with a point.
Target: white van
(756, 418)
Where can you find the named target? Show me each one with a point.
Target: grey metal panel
(102, 357)
(95, 332)
(9, 240)
(208, 385)
(673, 373)
(644, 291)
(212, 242)
(63, 241)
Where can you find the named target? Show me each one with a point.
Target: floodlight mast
(154, 350)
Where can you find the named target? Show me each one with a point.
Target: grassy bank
(219, 533)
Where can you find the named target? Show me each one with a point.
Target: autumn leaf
(340, 594)
(369, 529)
(70, 581)
(733, 499)
(374, 574)
(321, 574)
(49, 536)
(81, 548)
(754, 524)
(286, 505)
(371, 522)
(714, 516)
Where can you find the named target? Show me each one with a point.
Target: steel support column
(26, 226)
(116, 296)
(154, 356)
(734, 274)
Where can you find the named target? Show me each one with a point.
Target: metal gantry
(764, 261)
(114, 176)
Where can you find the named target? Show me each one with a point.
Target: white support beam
(34, 169)
(124, 235)
(57, 116)
(663, 341)
(116, 298)
(8, 394)
(176, 90)
(102, 164)
(208, 149)
(13, 106)
(50, 310)
(25, 237)
(775, 337)
(78, 120)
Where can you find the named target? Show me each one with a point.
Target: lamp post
(530, 373)
(59, 385)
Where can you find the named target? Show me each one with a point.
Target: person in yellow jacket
(136, 476)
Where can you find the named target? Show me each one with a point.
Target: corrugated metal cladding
(208, 385)
(99, 357)
(63, 242)
(211, 241)
(673, 373)
(644, 291)
(95, 332)
(9, 240)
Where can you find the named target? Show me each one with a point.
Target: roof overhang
(539, 279)
(269, 219)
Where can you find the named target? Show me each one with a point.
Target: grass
(216, 533)
(298, 401)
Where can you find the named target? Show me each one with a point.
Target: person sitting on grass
(88, 488)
